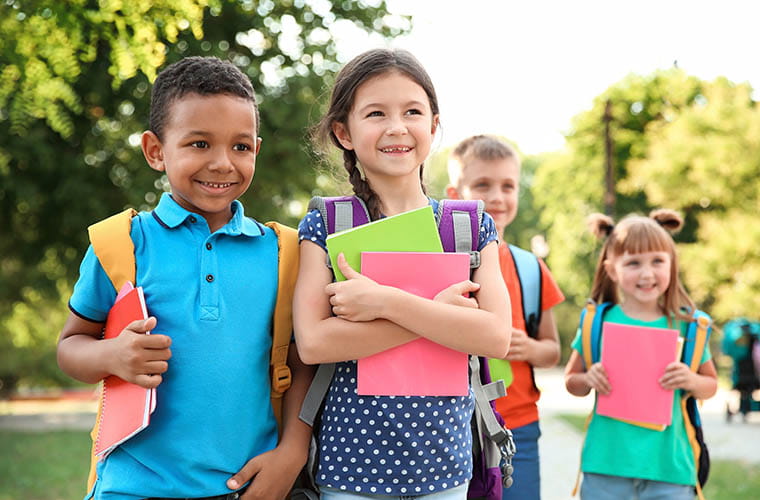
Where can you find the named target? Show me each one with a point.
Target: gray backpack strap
(312, 402)
(459, 227)
(339, 213)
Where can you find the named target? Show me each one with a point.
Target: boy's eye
(199, 144)
(241, 147)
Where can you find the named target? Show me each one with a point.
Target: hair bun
(600, 225)
(670, 220)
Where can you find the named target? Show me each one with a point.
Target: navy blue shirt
(392, 445)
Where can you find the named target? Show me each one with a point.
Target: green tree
(705, 162)
(74, 90)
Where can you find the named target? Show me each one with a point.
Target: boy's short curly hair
(196, 75)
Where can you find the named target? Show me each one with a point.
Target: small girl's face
(390, 126)
(642, 277)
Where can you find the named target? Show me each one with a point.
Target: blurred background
(615, 107)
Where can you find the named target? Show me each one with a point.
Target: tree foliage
(680, 143)
(74, 96)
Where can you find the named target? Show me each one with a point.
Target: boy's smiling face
(497, 183)
(208, 152)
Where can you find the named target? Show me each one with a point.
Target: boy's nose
(221, 162)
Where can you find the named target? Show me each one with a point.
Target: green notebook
(412, 231)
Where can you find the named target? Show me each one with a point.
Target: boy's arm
(132, 356)
(273, 473)
(541, 352)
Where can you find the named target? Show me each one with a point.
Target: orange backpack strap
(282, 321)
(112, 243)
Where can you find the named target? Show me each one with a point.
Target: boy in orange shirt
(484, 167)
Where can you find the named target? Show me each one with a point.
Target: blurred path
(560, 443)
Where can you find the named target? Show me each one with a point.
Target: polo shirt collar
(171, 214)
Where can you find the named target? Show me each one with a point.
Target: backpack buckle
(281, 378)
(474, 259)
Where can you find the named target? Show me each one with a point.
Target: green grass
(44, 465)
(728, 480)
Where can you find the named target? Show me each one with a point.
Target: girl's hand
(356, 299)
(455, 294)
(139, 358)
(677, 376)
(596, 378)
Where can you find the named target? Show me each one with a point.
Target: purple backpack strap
(340, 212)
(458, 225)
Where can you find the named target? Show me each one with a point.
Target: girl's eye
(241, 147)
(374, 113)
(414, 111)
(199, 144)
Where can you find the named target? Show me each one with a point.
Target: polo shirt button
(209, 246)
(209, 278)
(193, 219)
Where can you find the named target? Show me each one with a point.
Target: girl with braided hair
(383, 115)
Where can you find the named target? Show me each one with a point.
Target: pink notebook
(635, 358)
(420, 367)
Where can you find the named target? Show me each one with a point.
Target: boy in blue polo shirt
(209, 276)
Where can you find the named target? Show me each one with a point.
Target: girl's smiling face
(390, 126)
(642, 277)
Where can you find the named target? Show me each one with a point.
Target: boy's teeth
(218, 184)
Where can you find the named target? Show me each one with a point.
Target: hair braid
(361, 187)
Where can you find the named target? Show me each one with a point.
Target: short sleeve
(93, 292)
(487, 232)
(312, 228)
(551, 295)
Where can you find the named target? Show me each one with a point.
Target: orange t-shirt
(519, 407)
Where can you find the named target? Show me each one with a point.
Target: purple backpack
(493, 446)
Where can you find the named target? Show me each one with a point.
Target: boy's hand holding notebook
(126, 407)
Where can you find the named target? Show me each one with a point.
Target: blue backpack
(493, 445)
(697, 336)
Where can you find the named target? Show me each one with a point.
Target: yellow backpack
(111, 241)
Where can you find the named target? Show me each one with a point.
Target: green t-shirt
(616, 448)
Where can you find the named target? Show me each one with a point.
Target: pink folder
(419, 367)
(635, 358)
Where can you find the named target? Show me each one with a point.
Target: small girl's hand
(455, 294)
(358, 298)
(596, 378)
(677, 376)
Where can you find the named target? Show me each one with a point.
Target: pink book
(635, 357)
(126, 407)
(420, 367)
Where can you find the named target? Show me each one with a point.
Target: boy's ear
(452, 193)
(153, 151)
(341, 133)
(258, 145)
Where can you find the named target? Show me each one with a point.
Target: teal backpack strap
(592, 317)
(529, 278)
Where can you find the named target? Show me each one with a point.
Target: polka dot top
(391, 445)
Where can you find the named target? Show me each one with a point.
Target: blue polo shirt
(213, 294)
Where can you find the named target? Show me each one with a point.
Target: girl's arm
(324, 338)
(579, 382)
(132, 356)
(702, 384)
(541, 352)
(484, 331)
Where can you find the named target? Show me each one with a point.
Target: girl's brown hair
(360, 69)
(637, 234)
